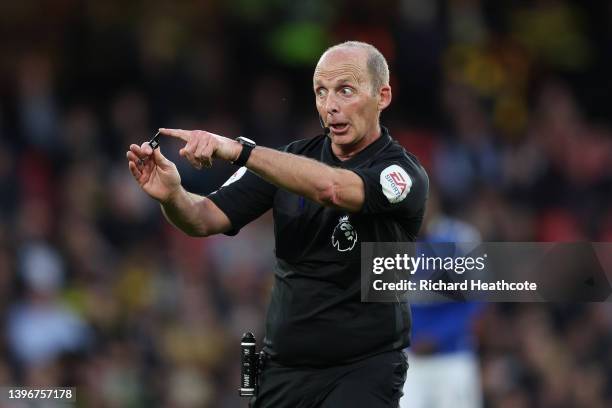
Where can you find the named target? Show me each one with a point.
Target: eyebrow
(338, 82)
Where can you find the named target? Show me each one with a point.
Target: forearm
(309, 178)
(326, 185)
(194, 214)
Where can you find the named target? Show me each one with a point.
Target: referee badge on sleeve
(395, 183)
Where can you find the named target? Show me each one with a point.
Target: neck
(346, 152)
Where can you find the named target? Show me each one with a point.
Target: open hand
(155, 174)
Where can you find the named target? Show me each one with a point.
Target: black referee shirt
(315, 316)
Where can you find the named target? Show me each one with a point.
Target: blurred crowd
(506, 103)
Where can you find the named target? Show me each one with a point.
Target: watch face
(246, 141)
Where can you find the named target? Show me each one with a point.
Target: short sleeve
(243, 197)
(394, 186)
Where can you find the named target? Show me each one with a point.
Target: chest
(303, 227)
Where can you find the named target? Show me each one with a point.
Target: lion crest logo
(344, 236)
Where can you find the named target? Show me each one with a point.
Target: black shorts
(374, 382)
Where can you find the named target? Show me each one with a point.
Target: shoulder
(396, 154)
(399, 172)
(303, 146)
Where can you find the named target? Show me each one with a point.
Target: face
(345, 99)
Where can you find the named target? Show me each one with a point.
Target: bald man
(352, 184)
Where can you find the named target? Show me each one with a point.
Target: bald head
(375, 63)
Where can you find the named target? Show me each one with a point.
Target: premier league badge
(344, 236)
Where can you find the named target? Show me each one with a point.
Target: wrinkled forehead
(341, 65)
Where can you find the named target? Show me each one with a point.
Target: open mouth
(339, 128)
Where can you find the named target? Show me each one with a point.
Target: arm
(323, 184)
(195, 215)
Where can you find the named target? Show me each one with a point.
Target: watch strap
(247, 147)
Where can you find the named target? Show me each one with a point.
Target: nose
(331, 104)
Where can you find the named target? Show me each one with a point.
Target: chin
(342, 140)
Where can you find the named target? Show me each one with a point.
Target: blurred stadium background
(507, 104)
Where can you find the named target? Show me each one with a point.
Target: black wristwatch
(247, 147)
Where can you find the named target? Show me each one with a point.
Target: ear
(384, 97)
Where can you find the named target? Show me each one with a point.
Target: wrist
(237, 151)
(172, 197)
(246, 147)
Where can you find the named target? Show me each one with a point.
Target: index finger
(178, 133)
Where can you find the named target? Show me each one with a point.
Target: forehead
(348, 64)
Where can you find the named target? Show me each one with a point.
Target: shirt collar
(360, 158)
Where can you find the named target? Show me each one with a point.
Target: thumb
(160, 159)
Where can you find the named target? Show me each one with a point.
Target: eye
(347, 91)
(321, 92)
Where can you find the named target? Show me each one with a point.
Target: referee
(329, 193)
